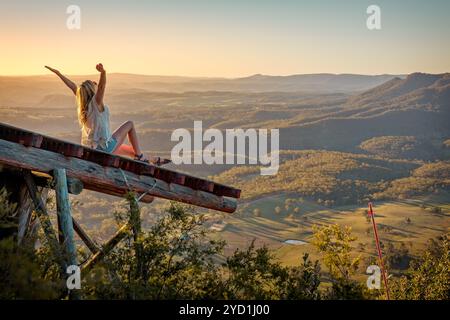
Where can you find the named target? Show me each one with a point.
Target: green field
(272, 229)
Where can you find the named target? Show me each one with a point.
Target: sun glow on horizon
(224, 39)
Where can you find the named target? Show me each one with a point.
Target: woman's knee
(129, 124)
(123, 130)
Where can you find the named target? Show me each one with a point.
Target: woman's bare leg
(127, 130)
(125, 150)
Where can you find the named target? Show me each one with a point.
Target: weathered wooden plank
(106, 248)
(114, 191)
(24, 137)
(102, 158)
(136, 227)
(93, 247)
(108, 178)
(35, 225)
(74, 186)
(199, 184)
(135, 218)
(29, 138)
(221, 190)
(64, 216)
(24, 212)
(44, 219)
(44, 180)
(136, 167)
(63, 147)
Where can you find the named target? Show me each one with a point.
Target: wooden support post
(135, 221)
(74, 185)
(93, 247)
(64, 216)
(65, 224)
(44, 219)
(35, 224)
(24, 213)
(135, 215)
(106, 248)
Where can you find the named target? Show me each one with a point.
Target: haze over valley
(345, 140)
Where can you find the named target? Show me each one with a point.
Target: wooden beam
(69, 149)
(64, 216)
(135, 218)
(93, 247)
(106, 248)
(135, 222)
(35, 224)
(44, 180)
(109, 179)
(25, 137)
(44, 219)
(65, 225)
(24, 212)
(74, 185)
(114, 191)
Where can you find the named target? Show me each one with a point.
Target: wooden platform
(110, 174)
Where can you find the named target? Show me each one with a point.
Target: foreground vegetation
(174, 259)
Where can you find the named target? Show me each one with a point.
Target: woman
(93, 116)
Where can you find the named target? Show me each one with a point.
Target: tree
(254, 274)
(366, 216)
(251, 274)
(397, 257)
(302, 282)
(8, 224)
(175, 262)
(335, 244)
(428, 277)
(25, 273)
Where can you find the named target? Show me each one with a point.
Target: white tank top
(96, 132)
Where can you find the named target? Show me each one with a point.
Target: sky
(225, 38)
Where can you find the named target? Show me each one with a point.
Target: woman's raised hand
(72, 86)
(100, 68)
(52, 69)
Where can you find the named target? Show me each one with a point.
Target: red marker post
(377, 242)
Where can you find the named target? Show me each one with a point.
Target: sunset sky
(225, 38)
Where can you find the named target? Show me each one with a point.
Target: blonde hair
(85, 93)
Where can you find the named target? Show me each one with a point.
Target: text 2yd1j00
(251, 310)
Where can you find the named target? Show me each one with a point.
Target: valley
(345, 140)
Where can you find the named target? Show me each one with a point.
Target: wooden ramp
(30, 163)
(110, 174)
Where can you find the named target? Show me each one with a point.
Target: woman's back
(96, 131)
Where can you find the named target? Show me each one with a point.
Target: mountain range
(42, 90)
(418, 105)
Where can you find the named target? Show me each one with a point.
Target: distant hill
(31, 90)
(324, 82)
(420, 87)
(418, 105)
(340, 178)
(405, 147)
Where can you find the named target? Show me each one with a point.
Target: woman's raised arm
(72, 86)
(101, 85)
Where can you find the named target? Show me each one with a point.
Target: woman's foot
(155, 160)
(141, 158)
(160, 161)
